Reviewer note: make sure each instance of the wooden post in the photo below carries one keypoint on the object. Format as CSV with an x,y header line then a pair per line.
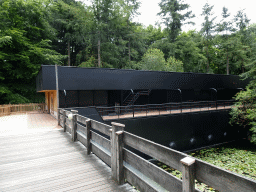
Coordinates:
x,y
88,136
120,157
58,116
113,140
64,120
188,174
74,125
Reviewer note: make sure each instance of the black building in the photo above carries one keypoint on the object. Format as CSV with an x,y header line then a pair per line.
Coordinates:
x,y
81,87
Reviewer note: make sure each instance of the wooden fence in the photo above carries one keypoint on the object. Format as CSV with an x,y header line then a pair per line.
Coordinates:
x,y
112,144
21,108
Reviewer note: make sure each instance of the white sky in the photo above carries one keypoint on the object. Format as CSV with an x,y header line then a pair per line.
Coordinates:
x,y
150,8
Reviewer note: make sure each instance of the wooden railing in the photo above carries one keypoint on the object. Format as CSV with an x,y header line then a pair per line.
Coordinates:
x,y
115,147
21,108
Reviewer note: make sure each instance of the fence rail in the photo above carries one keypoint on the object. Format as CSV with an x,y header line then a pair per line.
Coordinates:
x,y
21,108
116,148
119,112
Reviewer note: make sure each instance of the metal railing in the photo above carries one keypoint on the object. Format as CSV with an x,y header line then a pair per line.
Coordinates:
x,y
117,112
135,96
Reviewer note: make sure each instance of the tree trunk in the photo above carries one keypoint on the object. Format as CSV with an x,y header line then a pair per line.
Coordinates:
x,y
129,52
207,70
68,53
243,66
227,64
99,65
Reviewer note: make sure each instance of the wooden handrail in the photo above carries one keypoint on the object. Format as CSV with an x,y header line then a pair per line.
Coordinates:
x,y
21,108
144,175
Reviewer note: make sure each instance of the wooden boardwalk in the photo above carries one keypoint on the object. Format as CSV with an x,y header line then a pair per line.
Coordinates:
x,y
49,161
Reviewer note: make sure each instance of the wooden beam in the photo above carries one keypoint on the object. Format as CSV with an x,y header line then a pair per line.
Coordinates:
x,y
120,157
81,128
141,182
88,136
221,179
188,174
68,129
114,139
82,138
105,143
103,154
101,127
68,122
157,174
81,119
74,125
64,120
163,154
58,114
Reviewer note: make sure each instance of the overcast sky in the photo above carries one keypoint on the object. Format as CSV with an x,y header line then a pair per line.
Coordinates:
x,y
150,8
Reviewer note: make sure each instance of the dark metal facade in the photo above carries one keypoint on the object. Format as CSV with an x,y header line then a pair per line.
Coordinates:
x,y
185,131
73,78
83,98
106,87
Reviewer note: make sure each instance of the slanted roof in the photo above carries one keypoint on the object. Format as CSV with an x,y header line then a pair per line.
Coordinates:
x,y
75,78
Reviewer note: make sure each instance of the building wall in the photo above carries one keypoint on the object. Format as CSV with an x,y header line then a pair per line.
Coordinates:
x,y
185,131
51,102
74,78
83,98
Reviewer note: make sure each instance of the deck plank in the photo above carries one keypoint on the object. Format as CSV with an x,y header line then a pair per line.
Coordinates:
x,y
50,161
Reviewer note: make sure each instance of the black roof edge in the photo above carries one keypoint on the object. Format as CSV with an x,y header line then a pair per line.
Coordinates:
x,y
135,70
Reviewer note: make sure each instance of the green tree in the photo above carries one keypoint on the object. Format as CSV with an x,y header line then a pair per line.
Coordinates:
x,y
207,30
153,60
25,41
114,31
171,12
244,111
225,27
188,51
138,45
242,22
72,22
164,45
175,65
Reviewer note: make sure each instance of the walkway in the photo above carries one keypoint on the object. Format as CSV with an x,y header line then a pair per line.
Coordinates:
x,y
27,123
144,113
35,155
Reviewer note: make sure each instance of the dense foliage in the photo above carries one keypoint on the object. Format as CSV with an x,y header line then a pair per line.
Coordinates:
x,y
103,34
25,43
